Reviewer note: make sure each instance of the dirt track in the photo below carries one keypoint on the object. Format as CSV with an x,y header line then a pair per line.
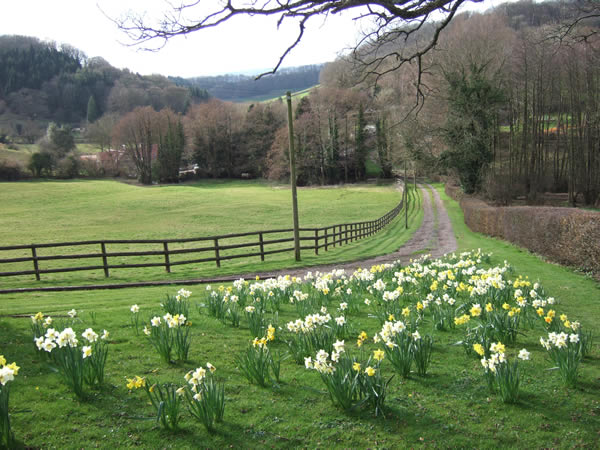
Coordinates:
x,y
435,236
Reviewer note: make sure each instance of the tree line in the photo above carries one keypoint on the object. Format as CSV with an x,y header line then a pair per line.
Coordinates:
x,y
42,82
507,101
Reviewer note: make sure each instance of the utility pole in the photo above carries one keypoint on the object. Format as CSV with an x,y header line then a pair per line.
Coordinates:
x,y
293,177
405,197
415,175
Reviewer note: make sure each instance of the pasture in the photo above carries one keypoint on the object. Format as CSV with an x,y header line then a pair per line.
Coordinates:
x,y
450,407
66,211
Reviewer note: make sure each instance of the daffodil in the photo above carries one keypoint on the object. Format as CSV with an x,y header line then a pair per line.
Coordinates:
x,y
479,349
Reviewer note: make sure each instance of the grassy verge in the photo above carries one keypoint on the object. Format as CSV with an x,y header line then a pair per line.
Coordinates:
x,y
51,212
450,407
577,290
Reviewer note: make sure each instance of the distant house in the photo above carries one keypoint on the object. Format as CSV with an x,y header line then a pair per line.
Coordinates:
x,y
113,162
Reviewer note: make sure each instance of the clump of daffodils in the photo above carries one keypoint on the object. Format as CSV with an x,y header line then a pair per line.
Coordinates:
x,y
350,382
403,347
165,398
205,397
314,332
258,364
8,372
500,373
77,365
170,333
178,304
565,350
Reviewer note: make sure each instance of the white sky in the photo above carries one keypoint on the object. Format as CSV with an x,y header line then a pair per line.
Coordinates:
x,y
244,44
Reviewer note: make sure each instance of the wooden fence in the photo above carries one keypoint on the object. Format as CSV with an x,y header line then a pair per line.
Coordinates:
x,y
204,249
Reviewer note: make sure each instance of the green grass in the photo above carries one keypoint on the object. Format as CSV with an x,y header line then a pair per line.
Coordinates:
x,y
581,291
450,408
295,95
36,212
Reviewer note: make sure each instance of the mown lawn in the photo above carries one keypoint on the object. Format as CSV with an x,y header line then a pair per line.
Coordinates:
x,y
39,212
449,408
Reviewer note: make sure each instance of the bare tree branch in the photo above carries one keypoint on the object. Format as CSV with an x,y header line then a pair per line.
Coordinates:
x,y
392,20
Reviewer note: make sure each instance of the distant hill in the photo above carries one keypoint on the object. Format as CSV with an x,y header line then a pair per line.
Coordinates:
x,y
42,82
241,88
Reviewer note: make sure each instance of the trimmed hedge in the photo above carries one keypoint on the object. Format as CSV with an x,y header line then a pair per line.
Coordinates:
x,y
564,235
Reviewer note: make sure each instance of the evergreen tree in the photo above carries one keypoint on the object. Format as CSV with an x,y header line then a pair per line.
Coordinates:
x,y
170,150
383,151
473,102
92,110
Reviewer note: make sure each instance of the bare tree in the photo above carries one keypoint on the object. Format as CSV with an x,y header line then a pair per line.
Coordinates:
x,y
389,22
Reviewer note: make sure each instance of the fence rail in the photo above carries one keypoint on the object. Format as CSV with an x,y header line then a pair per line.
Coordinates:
x,y
215,250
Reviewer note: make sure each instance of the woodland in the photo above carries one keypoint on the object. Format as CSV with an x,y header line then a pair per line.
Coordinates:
x,y
507,101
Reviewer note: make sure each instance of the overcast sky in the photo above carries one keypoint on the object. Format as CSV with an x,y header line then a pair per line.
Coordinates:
x,y
244,44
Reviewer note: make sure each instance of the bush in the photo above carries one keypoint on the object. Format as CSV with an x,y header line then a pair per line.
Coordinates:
x,y
10,171
564,235
68,167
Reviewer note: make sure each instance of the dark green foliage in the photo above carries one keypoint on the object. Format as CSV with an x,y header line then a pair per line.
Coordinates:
x,y
170,149
383,150
92,110
473,101
60,139
26,62
40,164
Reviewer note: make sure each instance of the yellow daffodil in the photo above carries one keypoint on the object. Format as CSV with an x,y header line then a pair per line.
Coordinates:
x,y
475,310
378,354
479,349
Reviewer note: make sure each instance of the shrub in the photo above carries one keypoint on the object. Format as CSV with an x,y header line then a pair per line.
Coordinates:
x,y
564,235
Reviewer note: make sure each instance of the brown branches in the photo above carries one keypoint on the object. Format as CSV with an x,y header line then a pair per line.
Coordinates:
x,y
392,19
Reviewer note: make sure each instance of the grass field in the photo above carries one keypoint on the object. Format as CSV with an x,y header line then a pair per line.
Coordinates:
x,y
449,408
37,212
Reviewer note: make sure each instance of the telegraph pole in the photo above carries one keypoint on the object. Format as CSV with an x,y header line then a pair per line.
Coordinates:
x,y
293,177
405,197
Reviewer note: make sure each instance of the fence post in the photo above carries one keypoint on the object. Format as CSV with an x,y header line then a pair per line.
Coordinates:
x,y
218,258
346,233
104,259
262,246
35,262
326,236
317,242
167,263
